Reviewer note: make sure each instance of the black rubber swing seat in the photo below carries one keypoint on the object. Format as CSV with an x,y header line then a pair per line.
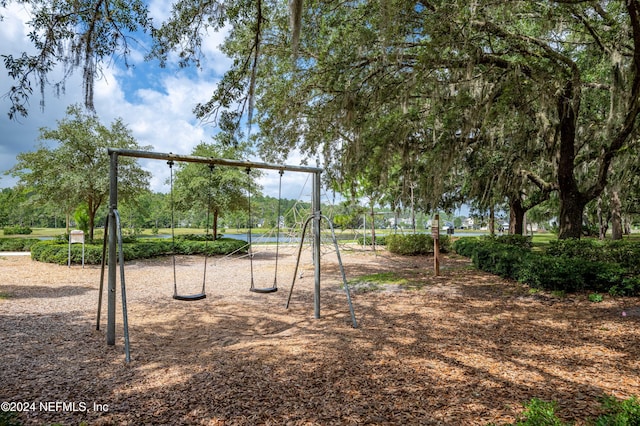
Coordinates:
x,y
264,290
190,297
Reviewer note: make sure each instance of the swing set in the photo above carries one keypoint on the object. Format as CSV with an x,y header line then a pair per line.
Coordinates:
x,y
113,238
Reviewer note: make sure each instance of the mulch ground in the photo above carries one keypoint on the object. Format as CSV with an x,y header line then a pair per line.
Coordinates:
x,y
465,348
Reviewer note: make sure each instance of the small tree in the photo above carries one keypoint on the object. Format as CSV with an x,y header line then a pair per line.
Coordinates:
x,y
222,187
77,171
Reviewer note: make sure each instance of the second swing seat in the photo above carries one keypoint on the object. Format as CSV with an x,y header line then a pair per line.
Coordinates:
x,y
264,290
190,297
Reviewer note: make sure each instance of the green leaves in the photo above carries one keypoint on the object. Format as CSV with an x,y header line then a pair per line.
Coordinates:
x,y
77,170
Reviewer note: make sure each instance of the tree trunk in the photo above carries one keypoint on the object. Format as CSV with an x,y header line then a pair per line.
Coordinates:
x,y
626,225
602,221
92,221
214,227
516,216
616,218
492,221
92,210
571,200
571,211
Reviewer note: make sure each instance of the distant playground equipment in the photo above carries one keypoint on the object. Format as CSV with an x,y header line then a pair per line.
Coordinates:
x,y
113,238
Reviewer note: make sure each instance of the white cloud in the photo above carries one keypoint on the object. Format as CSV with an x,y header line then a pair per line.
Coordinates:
x,y
13,30
159,114
159,10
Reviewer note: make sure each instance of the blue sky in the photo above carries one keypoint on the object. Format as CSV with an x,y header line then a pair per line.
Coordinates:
x,y
155,103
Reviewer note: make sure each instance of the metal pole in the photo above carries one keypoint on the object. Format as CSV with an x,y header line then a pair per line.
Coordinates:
x,y
113,260
435,234
123,289
211,160
102,267
316,241
344,276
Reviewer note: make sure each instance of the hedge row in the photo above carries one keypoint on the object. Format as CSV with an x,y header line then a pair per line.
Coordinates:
x,y
415,244
17,244
16,230
568,265
57,252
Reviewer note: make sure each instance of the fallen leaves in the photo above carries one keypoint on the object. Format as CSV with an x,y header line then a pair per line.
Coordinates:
x,y
467,348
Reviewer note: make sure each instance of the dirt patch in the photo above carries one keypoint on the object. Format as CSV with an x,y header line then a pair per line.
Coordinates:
x,y
463,348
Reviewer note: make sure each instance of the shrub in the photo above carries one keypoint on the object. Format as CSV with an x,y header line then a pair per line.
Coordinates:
x,y
500,259
9,418
56,252
522,241
630,286
587,249
540,413
619,413
625,253
615,413
466,246
410,244
415,244
17,230
567,266
17,244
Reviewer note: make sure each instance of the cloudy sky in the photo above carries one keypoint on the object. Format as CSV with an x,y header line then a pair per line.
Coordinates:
x,y
155,103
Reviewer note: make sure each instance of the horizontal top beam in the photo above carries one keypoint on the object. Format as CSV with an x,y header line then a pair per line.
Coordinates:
x,y
210,160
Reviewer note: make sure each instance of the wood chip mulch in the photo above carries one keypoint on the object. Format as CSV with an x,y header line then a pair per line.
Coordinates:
x,y
465,348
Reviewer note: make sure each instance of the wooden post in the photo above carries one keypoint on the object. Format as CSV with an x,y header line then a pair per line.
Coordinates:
x,y
435,233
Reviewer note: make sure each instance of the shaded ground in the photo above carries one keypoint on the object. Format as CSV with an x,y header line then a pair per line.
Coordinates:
x,y
463,348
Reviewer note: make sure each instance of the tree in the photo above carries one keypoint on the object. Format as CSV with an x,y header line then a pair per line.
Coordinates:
x,y
77,170
11,210
445,67
218,190
74,35
595,56
387,85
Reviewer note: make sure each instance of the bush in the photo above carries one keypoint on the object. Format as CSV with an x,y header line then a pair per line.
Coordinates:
x,y
540,413
570,274
615,413
522,241
56,252
17,230
625,253
630,286
9,418
415,244
500,259
619,413
587,249
568,265
410,244
466,246
17,244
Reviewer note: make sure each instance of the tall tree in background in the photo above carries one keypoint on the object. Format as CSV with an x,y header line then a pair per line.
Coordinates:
x,y
445,67
435,76
219,190
77,170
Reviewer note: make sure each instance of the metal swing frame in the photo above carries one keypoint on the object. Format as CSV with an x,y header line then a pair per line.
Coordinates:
x,y
113,235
